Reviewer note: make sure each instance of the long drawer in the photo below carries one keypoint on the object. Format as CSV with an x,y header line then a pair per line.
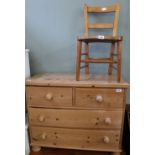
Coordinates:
x,y
75,138
99,98
49,96
75,118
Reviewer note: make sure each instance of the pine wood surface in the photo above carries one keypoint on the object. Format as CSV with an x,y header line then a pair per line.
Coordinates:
x,y
50,151
63,80
93,39
100,26
49,96
110,98
84,139
99,9
88,119
79,125
100,39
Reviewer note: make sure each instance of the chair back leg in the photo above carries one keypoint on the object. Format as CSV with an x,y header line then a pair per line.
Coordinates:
x,y
111,56
86,57
119,57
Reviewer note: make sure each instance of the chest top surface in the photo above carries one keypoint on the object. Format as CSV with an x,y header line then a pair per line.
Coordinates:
x,y
68,80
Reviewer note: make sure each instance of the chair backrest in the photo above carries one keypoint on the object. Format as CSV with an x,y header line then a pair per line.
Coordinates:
x,y
98,9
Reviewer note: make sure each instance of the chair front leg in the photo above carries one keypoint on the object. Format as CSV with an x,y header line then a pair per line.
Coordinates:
x,y
78,60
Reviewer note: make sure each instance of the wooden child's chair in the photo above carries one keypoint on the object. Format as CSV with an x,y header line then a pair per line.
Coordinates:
x,y
113,39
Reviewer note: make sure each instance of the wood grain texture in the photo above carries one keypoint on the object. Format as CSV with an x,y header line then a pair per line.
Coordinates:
x,y
88,119
83,115
93,39
119,59
68,80
99,39
86,57
116,18
100,26
112,98
112,58
85,21
49,96
99,9
99,60
78,60
75,138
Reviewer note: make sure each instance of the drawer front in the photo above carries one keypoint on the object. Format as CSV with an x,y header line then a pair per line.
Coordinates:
x,y
75,138
99,98
75,118
49,96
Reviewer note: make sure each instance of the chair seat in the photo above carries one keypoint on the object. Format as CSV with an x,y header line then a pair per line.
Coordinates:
x,y
100,38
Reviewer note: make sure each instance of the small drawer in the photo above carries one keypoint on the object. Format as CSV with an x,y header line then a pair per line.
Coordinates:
x,y
95,119
49,96
99,98
100,140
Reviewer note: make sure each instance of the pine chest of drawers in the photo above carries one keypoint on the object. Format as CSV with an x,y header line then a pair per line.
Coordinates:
x,y
85,115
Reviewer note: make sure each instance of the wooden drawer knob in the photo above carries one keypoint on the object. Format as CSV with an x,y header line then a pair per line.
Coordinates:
x,y
99,98
106,139
44,136
107,120
49,96
41,118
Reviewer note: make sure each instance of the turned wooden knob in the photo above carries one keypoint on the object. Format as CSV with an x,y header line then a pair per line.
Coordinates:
x,y
41,118
106,139
107,120
43,136
99,98
49,96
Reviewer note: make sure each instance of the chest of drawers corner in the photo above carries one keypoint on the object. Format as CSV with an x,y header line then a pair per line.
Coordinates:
x,y
85,115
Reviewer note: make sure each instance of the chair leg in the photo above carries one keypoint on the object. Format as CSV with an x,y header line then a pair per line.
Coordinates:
x,y
111,56
78,60
119,57
86,57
